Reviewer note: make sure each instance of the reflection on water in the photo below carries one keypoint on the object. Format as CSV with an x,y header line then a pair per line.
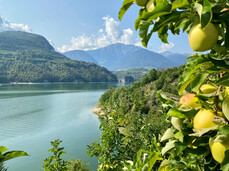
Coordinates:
x,y
33,115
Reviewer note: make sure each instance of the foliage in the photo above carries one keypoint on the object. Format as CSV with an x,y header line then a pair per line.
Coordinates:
x,y
133,118
186,148
55,162
77,165
2,167
33,59
8,155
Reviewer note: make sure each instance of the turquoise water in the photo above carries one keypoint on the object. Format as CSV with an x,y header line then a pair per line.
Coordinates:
x,y
33,115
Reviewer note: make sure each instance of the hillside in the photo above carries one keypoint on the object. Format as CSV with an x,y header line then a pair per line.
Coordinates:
x,y
136,73
133,117
120,56
26,57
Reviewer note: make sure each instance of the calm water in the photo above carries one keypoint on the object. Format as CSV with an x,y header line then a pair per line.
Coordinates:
x,y
33,115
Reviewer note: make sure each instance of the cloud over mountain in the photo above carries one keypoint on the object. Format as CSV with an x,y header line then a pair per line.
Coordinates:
x,y
9,26
110,34
166,47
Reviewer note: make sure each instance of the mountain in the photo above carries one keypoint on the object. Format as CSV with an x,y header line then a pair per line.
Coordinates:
x,y
26,57
143,58
110,56
16,40
80,55
177,58
120,56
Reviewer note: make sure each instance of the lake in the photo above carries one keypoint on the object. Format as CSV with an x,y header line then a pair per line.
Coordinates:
x,y
33,115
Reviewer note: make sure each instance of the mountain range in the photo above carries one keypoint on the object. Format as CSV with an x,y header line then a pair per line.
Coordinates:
x,y
27,57
120,56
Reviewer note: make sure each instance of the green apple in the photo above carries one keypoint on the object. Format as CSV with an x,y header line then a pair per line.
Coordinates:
x,y
218,149
204,119
141,2
203,39
189,101
150,5
208,89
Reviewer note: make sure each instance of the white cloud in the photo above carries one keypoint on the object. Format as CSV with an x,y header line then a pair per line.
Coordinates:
x,y
112,33
8,26
139,43
165,47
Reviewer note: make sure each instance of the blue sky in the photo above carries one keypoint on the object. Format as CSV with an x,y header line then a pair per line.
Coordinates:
x,y
81,24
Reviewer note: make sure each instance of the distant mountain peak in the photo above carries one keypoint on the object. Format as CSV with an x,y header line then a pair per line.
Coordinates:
x,y
121,56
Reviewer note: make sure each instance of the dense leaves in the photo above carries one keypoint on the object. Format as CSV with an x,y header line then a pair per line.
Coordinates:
x,y
56,163
197,138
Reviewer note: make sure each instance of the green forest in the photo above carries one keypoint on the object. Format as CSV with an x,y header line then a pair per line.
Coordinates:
x,y
26,57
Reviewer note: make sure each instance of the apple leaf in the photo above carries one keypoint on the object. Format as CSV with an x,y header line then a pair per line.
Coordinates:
x,y
176,113
138,20
3,149
222,138
163,35
225,107
167,135
200,132
143,32
198,81
224,130
163,165
197,61
174,16
12,154
198,7
162,8
177,123
179,136
166,99
125,6
224,81
225,163
206,15
180,4
169,146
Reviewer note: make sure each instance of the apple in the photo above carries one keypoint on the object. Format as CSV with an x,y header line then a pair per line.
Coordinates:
x,y
208,89
141,2
227,91
150,5
189,101
204,119
203,39
218,149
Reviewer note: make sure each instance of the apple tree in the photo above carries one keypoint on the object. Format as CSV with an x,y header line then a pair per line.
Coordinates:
x,y
199,136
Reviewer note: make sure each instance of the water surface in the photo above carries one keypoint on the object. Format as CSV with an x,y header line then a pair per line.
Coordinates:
x,y
33,115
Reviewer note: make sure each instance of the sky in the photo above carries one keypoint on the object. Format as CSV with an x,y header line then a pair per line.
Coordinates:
x,y
81,24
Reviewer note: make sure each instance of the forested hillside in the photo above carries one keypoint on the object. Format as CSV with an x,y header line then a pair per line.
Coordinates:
x,y
133,116
26,57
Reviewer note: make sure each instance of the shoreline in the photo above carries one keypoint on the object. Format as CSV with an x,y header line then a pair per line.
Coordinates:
x,y
44,83
98,111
